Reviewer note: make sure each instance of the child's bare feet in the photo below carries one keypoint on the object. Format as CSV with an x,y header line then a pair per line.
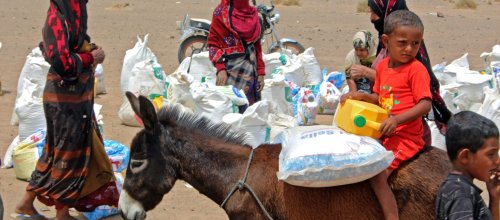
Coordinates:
x,y
25,209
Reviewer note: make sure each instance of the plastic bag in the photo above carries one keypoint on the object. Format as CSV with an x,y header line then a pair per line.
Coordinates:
x,y
324,156
26,154
118,154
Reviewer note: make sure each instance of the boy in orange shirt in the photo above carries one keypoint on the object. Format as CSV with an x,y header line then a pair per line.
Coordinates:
x,y
402,88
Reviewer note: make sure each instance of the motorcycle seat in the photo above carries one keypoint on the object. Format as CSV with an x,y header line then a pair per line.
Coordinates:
x,y
200,23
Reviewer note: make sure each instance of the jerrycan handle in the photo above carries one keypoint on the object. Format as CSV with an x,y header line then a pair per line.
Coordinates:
x,y
361,121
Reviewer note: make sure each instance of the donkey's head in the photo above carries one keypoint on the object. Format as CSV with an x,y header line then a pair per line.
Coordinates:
x,y
151,171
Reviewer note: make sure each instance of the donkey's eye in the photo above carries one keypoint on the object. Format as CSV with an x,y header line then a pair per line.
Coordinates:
x,y
138,165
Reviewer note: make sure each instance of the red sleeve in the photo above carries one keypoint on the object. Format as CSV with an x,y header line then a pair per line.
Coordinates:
x,y
420,81
55,34
261,67
87,59
215,35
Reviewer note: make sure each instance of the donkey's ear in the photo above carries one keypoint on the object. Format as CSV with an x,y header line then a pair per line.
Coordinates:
x,y
134,103
148,115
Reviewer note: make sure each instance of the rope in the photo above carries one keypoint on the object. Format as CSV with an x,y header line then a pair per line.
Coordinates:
x,y
241,184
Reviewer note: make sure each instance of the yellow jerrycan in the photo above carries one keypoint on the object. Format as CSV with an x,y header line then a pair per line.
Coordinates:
x,y
360,118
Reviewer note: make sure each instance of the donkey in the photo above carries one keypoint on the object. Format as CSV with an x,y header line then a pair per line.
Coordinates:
x,y
176,144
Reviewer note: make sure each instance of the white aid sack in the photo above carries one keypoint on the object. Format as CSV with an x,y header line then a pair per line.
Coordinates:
x,y
491,106
254,121
277,90
293,71
7,159
321,156
438,140
99,77
277,59
312,69
213,103
29,109
179,88
147,79
35,70
200,67
140,52
279,123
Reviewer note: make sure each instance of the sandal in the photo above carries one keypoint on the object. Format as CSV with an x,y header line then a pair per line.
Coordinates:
x,y
28,217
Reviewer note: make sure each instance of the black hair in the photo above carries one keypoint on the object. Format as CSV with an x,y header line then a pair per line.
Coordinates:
x,y
403,18
468,130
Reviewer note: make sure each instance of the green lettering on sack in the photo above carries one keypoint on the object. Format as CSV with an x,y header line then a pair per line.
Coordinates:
x,y
158,73
288,94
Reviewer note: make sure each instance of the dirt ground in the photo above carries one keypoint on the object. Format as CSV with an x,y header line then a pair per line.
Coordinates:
x,y
327,25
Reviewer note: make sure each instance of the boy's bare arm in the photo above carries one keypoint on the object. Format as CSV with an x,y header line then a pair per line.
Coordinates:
x,y
371,98
420,109
352,85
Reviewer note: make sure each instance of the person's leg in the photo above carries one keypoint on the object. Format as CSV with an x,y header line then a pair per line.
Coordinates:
x,y
63,214
384,195
25,206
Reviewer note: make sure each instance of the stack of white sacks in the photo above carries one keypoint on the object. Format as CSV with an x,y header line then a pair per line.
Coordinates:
x,y
465,89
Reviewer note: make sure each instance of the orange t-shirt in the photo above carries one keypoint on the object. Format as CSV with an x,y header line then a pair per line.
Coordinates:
x,y
399,90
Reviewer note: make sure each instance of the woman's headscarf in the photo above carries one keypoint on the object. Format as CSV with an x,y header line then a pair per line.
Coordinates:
x,y
364,39
385,7
245,19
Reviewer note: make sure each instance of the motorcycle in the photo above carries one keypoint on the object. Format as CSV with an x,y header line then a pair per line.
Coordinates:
x,y
194,34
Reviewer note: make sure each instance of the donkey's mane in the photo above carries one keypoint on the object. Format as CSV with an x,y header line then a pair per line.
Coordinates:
x,y
178,115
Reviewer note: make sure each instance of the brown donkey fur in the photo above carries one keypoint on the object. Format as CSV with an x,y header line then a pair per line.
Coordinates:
x,y
212,158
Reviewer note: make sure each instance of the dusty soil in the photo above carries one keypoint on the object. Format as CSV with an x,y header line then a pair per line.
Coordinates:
x,y
327,25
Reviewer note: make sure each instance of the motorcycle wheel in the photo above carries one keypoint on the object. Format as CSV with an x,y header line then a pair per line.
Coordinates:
x,y
194,44
295,47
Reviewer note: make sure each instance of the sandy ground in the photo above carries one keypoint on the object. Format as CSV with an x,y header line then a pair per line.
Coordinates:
x,y
327,25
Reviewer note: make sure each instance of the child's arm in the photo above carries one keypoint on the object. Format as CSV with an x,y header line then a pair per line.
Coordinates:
x,y
371,98
352,85
421,108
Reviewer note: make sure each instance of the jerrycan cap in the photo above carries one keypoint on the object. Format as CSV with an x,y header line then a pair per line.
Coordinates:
x,y
359,121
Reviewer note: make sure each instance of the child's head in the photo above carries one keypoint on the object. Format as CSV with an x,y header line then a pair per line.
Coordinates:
x,y
364,44
403,33
472,144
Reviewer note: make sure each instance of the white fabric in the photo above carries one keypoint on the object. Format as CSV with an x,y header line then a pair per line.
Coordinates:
x,y
201,68
99,76
278,91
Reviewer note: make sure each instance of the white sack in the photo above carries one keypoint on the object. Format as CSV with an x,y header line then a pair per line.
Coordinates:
x,y
312,69
140,52
201,68
278,91
7,159
322,156
35,70
99,76
29,109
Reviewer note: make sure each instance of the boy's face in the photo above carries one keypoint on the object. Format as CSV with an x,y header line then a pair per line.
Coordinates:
x,y
361,53
485,161
403,44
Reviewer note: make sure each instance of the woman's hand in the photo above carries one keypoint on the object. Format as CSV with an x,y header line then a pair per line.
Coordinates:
x,y
360,71
260,80
98,55
221,78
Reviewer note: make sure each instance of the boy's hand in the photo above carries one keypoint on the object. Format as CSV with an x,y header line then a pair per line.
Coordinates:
x,y
349,95
493,186
388,126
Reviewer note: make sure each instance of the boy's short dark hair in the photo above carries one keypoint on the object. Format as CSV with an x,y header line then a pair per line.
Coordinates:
x,y
404,18
468,130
